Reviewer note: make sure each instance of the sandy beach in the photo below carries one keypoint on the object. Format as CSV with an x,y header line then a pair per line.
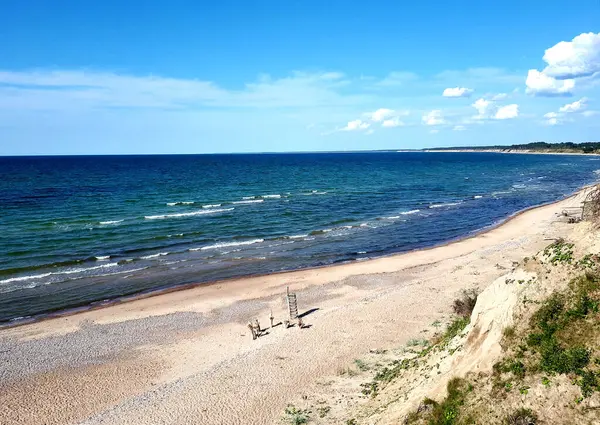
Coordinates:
x,y
187,357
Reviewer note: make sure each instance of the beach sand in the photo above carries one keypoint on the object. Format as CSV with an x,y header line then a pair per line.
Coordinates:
x,y
187,357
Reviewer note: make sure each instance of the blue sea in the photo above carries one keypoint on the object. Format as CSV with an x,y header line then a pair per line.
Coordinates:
x,y
77,231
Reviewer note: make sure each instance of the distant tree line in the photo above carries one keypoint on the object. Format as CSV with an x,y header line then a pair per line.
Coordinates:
x,y
585,147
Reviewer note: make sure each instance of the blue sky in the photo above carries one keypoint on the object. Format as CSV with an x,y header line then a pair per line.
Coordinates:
x,y
82,77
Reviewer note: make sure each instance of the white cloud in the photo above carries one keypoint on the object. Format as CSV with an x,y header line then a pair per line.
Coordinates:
x,y
551,115
540,84
507,112
394,122
356,125
485,108
552,121
459,128
499,96
457,92
590,113
380,114
574,59
434,117
574,107
89,89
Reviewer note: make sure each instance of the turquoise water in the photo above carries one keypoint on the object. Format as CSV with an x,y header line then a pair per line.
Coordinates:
x,y
80,230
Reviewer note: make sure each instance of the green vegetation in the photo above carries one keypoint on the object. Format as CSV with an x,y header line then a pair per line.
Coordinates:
x,y
447,412
560,338
559,252
295,416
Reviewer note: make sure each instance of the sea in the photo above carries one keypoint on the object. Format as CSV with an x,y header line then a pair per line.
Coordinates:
x,y
79,231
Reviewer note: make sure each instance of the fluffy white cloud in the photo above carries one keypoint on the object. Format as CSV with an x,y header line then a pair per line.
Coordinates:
x,y
356,125
394,122
574,107
507,112
457,92
484,107
459,128
434,117
380,114
540,84
573,59
553,118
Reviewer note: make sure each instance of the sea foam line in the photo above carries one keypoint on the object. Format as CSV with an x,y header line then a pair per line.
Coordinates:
x,y
227,244
410,212
449,204
42,275
172,204
107,223
249,201
190,214
160,254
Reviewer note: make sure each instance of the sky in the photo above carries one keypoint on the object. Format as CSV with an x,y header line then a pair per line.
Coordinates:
x,y
142,77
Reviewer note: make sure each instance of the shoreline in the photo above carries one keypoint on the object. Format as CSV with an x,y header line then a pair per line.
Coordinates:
x,y
182,357
126,299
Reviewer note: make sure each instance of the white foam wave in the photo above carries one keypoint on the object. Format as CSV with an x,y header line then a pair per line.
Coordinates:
x,y
42,275
296,236
25,278
448,204
103,257
190,214
249,201
596,171
248,197
227,244
211,206
271,196
172,204
394,217
108,223
477,197
160,254
410,212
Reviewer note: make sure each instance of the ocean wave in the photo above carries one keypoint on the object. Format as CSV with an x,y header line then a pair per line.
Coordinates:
x,y
227,245
320,232
43,275
249,201
477,197
172,204
211,206
190,214
596,171
160,254
394,217
248,197
410,212
108,223
295,237
271,196
102,257
448,204
519,186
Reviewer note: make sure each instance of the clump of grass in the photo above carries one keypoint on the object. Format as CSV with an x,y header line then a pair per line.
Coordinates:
x,y
295,416
361,365
559,252
521,416
448,411
464,305
559,332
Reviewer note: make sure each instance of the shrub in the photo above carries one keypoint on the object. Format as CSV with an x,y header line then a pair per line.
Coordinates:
x,y
521,416
464,305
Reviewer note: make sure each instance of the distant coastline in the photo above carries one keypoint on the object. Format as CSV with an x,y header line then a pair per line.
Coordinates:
x,y
567,148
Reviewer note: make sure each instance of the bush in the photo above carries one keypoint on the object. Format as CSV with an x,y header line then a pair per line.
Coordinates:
x,y
464,305
521,416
